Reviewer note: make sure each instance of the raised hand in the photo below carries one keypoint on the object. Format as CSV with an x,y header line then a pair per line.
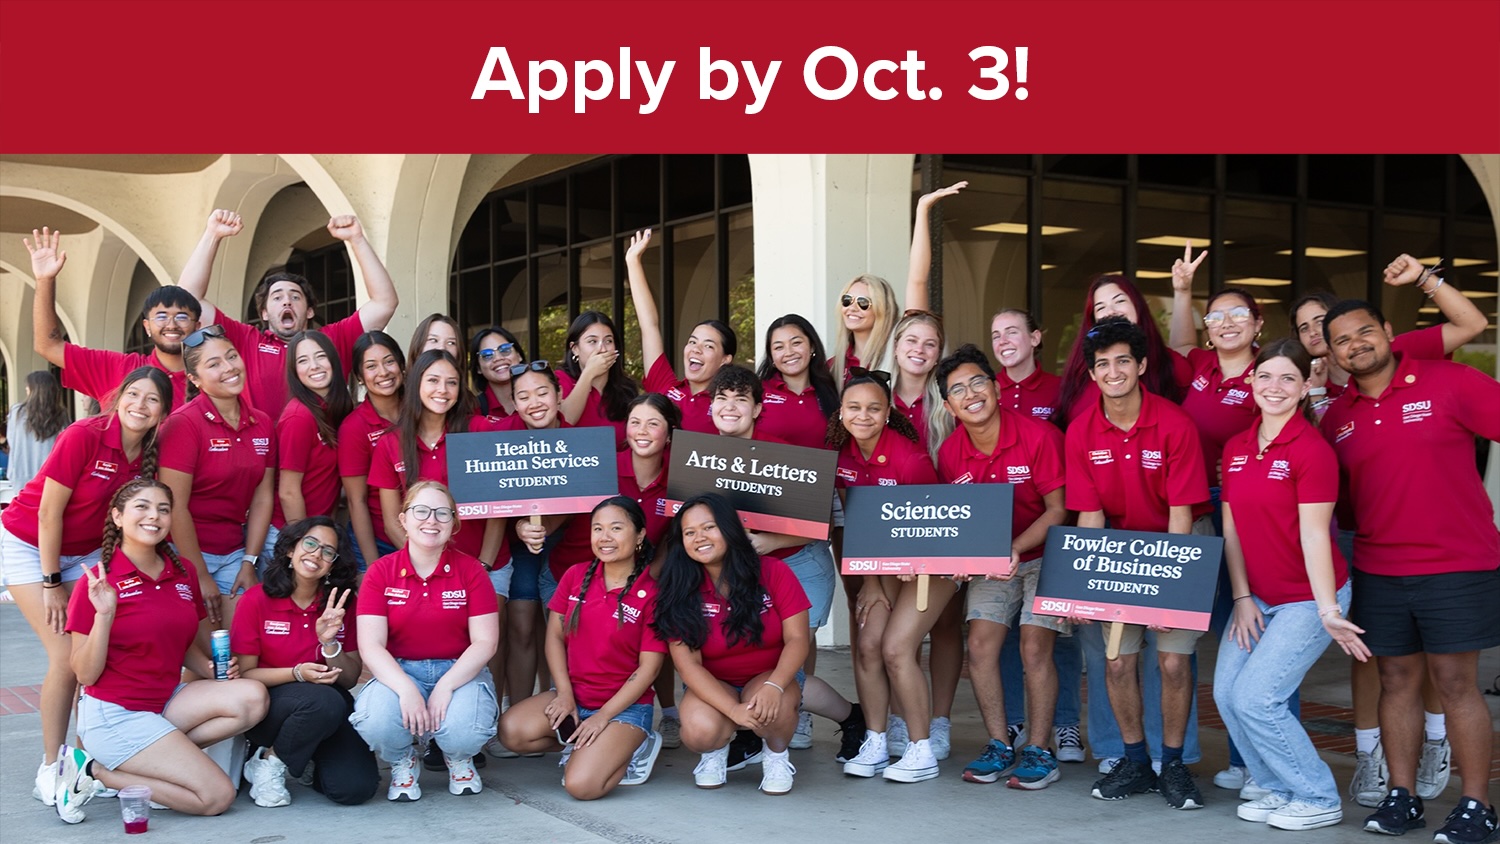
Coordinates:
x,y
346,227
47,258
927,200
102,593
638,243
332,618
222,224
1402,271
1184,267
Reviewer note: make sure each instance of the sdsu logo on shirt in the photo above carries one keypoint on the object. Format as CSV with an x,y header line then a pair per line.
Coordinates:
x,y
1416,411
1151,458
1018,474
1235,396
219,444
184,591
455,599
1280,470
262,445
885,482
1041,412
629,614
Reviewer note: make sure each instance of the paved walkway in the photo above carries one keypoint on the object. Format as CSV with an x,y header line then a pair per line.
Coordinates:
x,y
523,799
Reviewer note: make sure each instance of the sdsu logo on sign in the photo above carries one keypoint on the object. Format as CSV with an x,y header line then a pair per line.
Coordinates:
x,y
1047,605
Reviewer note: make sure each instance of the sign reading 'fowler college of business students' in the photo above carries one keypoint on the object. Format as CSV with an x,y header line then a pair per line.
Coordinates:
x,y
928,529
501,474
775,487
1165,579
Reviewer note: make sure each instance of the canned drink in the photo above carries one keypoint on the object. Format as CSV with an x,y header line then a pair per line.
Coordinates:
x,y
221,654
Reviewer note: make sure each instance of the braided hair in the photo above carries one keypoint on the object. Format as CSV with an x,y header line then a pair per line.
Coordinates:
x,y
111,538
642,559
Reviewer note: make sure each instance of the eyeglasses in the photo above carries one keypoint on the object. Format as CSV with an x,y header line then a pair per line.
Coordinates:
x,y
161,318
421,512
864,301
973,385
876,374
535,366
1239,313
502,349
197,338
329,553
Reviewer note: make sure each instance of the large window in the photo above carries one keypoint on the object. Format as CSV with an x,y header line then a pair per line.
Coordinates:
x,y
1031,231
535,255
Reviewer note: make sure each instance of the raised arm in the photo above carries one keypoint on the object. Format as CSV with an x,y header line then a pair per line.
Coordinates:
x,y
1184,335
200,264
1465,321
377,312
47,259
646,314
919,264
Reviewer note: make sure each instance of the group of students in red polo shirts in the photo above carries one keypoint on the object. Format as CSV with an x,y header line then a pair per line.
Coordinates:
x,y
1135,435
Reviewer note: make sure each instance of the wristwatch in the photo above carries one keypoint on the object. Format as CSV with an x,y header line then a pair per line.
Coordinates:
x,y
54,579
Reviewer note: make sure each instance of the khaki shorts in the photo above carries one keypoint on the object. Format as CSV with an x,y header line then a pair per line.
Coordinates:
x,y
1003,601
1169,642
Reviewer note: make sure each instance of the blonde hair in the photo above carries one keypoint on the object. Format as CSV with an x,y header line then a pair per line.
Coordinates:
x,y
939,421
883,308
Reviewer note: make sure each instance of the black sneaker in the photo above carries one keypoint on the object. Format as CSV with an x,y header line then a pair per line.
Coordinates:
x,y
1177,786
1125,779
432,760
744,749
851,734
1399,812
1470,823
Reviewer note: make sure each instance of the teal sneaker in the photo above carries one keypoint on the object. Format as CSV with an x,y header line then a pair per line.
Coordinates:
x,y
1037,769
74,786
996,761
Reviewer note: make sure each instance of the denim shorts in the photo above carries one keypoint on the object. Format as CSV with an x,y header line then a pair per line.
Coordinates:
x,y
801,683
21,562
546,583
381,547
224,568
638,715
268,553
526,569
813,565
500,579
113,735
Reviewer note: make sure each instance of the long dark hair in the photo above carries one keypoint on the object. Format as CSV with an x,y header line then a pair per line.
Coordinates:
x,y
477,380
419,338
1159,377
364,343
456,420
279,581
111,536
838,435
642,559
45,414
661,404
679,599
618,388
329,411
163,386
818,373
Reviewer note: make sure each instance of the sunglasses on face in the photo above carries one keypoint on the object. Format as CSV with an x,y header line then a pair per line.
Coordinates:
x,y
421,512
535,366
863,301
329,553
197,338
502,349
1235,314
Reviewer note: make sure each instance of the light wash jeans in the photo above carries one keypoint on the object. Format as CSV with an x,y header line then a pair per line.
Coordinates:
x,y
819,575
471,714
1251,689
1104,731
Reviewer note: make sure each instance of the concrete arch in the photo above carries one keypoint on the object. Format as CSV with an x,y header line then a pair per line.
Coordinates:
x,y
110,224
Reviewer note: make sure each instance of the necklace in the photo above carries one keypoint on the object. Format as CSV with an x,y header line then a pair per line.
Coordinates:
x,y
1263,441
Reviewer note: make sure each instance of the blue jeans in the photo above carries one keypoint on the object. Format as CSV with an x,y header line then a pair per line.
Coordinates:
x,y
381,547
1104,731
815,570
1252,689
1067,655
470,721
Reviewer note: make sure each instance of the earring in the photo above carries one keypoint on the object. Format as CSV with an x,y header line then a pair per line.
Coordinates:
x,y
1208,344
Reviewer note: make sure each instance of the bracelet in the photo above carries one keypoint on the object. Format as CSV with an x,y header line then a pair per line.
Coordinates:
x,y
1243,598
774,686
1327,611
51,585
338,648
252,559
297,673
1434,290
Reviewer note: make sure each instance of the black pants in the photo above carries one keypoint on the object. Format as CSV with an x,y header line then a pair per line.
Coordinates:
x,y
310,722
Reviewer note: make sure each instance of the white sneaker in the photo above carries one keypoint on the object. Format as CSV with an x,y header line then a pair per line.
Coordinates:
x,y
1231,778
1016,734
404,785
1108,763
643,760
873,756
671,733
941,738
1370,782
1069,743
1298,815
802,738
1434,768
776,772
895,735
494,748
1256,811
45,789
267,778
712,769
916,764
75,788
1252,790
462,778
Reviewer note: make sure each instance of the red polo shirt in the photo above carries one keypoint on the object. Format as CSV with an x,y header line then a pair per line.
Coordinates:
x,y
576,545
739,663
896,461
226,463
793,417
613,631
265,356
300,448
1407,464
358,434
694,406
427,619
1027,455
1090,396
851,360
489,403
916,413
1421,344
593,410
88,459
282,634
1264,490
97,373
1221,407
1136,476
1035,395
155,624
388,471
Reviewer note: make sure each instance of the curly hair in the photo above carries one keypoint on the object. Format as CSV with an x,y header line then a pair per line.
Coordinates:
x,y
679,597
279,582
642,559
838,435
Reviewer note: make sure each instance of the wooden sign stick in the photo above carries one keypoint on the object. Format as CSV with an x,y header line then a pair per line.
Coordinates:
x,y
1116,633
922,592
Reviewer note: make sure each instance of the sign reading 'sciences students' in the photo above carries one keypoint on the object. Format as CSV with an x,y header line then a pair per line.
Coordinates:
x,y
501,474
928,529
1162,579
775,487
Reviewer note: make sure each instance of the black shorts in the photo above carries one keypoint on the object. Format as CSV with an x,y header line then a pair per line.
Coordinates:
x,y
1448,613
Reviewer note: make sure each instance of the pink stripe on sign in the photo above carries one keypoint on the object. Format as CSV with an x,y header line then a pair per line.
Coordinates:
x,y
977,566
533,507
1096,611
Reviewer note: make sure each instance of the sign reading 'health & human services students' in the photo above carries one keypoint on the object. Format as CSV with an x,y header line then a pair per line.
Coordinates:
x,y
1162,579
503,474
774,486
928,529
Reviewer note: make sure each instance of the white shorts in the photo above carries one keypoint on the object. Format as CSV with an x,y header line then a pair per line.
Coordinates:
x,y
21,562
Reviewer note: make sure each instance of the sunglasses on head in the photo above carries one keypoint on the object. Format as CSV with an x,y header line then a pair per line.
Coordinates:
x,y
863,301
197,338
535,366
502,349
